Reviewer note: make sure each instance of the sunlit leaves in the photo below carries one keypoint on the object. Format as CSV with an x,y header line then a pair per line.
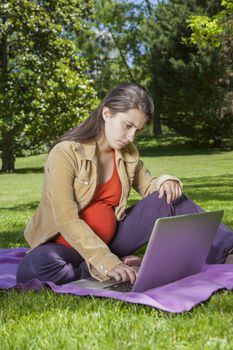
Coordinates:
x,y
204,29
212,30
43,73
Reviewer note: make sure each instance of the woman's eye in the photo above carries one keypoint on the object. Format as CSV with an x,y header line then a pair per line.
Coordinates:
x,y
128,126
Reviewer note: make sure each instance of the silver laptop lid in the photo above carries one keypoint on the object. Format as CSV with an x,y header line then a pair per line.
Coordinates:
x,y
178,247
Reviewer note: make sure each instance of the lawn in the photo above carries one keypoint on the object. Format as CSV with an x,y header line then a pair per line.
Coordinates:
x,y
44,320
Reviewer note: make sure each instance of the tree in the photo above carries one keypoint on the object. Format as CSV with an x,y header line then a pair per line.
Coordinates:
x,y
44,88
187,82
217,31
113,42
143,42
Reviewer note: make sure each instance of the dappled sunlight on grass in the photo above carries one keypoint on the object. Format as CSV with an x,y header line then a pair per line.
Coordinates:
x,y
217,188
51,321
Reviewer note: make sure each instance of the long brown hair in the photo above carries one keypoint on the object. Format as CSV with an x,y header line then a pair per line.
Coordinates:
x,y
122,98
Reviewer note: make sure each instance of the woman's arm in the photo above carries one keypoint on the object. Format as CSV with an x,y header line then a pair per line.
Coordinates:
x,y
144,183
61,170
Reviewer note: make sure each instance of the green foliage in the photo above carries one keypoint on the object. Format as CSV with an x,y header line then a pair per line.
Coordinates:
x,y
44,88
188,83
205,29
113,42
212,30
149,44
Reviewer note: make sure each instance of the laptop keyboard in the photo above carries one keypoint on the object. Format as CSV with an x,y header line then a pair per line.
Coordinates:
x,y
122,287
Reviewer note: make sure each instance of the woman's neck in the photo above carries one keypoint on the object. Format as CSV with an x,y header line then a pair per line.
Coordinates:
x,y
103,146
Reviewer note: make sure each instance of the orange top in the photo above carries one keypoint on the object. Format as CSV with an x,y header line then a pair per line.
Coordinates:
x,y
99,214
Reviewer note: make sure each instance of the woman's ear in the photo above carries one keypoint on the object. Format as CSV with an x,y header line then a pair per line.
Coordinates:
x,y
106,113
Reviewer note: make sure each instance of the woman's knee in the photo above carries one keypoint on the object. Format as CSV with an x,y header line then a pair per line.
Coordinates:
x,y
41,263
183,205
154,204
24,272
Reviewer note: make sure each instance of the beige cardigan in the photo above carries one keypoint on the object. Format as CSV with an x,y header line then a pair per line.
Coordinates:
x,y
70,182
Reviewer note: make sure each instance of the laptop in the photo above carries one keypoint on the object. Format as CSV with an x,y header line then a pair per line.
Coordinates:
x,y
178,247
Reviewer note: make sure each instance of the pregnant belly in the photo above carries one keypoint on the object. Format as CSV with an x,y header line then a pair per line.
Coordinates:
x,y
101,218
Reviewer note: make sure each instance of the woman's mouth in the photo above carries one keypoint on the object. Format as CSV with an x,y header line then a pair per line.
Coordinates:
x,y
123,144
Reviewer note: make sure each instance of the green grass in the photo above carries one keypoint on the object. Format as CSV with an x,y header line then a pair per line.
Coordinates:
x,y
44,320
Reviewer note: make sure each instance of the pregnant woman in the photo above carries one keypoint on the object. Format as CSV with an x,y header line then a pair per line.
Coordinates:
x,y
81,226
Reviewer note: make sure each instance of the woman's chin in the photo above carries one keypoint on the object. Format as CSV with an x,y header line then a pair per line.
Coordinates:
x,y
117,145
121,144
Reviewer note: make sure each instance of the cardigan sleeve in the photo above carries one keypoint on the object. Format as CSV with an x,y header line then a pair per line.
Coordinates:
x,y
60,171
144,183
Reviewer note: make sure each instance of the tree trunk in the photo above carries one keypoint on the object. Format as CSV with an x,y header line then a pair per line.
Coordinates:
x,y
8,159
8,152
157,130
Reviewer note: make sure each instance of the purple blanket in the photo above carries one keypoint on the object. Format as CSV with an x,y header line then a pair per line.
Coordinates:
x,y
178,296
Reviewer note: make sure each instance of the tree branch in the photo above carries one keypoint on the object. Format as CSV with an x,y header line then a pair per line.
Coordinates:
x,y
148,5
123,57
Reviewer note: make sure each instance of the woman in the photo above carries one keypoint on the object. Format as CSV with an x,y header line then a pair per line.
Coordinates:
x,y
81,226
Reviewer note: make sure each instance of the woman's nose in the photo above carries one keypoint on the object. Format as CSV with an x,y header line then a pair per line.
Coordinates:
x,y
130,137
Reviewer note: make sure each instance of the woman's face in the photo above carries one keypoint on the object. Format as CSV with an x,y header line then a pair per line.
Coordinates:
x,y
121,128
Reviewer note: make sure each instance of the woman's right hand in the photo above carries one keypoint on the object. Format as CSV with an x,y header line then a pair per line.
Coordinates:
x,y
123,272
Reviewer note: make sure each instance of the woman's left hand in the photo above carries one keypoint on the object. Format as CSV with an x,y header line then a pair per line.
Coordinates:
x,y
172,190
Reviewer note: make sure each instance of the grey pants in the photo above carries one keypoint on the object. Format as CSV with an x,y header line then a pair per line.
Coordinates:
x,y
60,264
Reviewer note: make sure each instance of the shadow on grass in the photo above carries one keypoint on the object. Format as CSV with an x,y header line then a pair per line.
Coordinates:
x,y
206,188
29,170
22,207
220,299
32,170
12,239
170,145
165,151
203,188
